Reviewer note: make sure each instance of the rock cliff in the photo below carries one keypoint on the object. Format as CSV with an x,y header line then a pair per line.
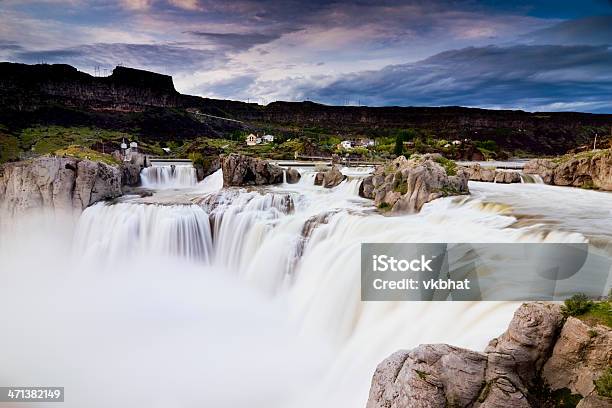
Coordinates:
x,y
56,183
125,89
239,170
37,94
538,357
404,186
587,170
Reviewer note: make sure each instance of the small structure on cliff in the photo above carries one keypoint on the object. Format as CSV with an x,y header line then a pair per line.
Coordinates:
x,y
251,140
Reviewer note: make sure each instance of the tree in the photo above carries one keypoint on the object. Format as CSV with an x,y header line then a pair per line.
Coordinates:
x,y
402,136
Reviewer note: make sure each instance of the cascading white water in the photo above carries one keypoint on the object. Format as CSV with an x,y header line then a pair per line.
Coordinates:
x,y
531,178
299,245
169,176
130,230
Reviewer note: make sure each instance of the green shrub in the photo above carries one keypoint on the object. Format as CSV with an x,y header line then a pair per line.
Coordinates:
x,y
577,305
603,384
563,398
384,206
450,167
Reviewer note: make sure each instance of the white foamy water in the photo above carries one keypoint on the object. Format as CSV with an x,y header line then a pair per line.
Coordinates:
x,y
231,298
169,176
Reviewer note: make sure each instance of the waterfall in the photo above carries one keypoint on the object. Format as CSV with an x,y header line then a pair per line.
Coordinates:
x,y
125,230
168,176
265,282
531,178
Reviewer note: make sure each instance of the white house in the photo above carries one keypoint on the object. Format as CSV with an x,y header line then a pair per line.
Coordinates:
x,y
456,142
251,140
346,144
268,138
258,140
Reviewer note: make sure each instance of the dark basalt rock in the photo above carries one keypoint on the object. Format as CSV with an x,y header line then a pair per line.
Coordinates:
x,y
241,170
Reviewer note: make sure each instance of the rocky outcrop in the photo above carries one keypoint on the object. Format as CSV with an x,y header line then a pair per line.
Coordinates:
x,y
130,174
478,173
588,170
241,170
292,175
536,357
580,356
330,178
207,166
318,181
507,177
406,185
56,183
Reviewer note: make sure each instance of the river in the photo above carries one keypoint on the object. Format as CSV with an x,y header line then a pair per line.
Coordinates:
x,y
209,297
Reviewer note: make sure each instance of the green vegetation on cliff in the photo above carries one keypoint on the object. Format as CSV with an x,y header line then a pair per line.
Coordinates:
x,y
85,153
589,311
603,384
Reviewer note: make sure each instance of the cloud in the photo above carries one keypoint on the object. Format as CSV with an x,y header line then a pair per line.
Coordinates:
x,y
518,76
186,4
236,41
595,30
237,87
158,57
136,4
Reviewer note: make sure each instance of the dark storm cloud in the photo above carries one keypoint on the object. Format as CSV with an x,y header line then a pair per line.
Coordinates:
x,y
10,46
596,30
158,56
519,76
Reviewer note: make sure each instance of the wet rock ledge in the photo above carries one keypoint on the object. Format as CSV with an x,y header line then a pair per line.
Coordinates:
x,y
404,186
542,360
57,183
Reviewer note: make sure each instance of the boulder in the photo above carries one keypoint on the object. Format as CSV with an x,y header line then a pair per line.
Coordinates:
x,y
507,177
332,177
404,186
580,356
207,166
239,170
130,174
318,181
587,169
57,183
478,173
292,175
439,375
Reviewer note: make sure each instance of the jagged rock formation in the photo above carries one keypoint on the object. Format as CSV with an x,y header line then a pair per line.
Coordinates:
x,y
519,369
241,170
292,175
330,178
588,170
478,173
580,356
406,185
56,183
130,170
207,166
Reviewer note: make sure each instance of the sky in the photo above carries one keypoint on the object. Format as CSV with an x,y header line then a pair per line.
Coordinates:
x,y
548,55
